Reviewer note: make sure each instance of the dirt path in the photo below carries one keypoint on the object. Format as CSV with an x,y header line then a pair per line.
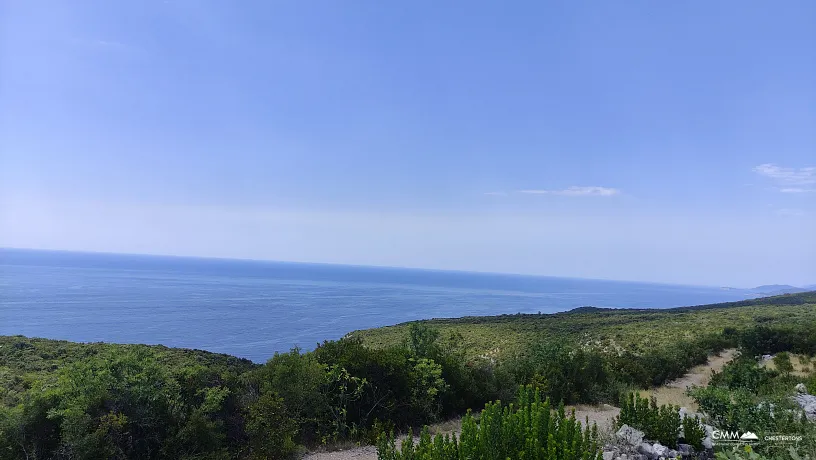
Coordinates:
x,y
671,393
675,392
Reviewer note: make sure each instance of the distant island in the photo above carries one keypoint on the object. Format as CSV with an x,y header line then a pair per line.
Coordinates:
x,y
777,289
773,289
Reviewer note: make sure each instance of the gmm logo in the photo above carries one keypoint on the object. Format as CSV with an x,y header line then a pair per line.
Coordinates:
x,y
724,435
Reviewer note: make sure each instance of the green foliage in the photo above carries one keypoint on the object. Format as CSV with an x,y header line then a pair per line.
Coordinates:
x,y
658,423
270,430
426,387
628,330
529,429
125,405
739,453
423,341
790,335
732,409
783,362
564,374
747,453
68,400
745,396
741,373
693,431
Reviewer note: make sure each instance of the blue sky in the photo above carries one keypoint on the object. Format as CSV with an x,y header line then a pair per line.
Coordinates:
x,y
656,141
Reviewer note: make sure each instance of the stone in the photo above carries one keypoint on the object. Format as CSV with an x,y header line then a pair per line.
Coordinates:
x,y
608,455
808,404
801,388
684,448
708,441
629,435
660,450
672,454
646,449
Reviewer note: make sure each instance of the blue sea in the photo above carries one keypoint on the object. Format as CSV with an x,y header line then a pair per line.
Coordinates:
x,y
253,309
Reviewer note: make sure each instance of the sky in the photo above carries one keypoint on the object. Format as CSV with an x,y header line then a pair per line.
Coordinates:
x,y
651,141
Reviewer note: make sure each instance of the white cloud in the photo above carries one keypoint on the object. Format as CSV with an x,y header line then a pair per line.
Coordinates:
x,y
791,212
789,180
576,191
496,193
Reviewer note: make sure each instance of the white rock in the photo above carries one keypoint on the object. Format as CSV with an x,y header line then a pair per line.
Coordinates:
x,y
808,405
629,435
660,450
608,455
801,388
708,443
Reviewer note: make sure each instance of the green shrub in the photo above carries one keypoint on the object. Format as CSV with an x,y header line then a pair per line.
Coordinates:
x,y
732,409
270,430
693,431
741,373
783,362
658,423
747,453
529,430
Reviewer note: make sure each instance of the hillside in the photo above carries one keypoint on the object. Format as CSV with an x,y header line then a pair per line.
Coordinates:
x,y
633,330
70,400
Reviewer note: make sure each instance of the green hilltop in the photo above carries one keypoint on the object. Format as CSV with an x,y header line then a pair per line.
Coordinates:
x,y
634,330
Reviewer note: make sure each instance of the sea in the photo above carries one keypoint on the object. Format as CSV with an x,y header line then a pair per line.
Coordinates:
x,y
253,309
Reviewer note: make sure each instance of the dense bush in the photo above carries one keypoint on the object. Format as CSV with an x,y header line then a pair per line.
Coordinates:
x,y
529,429
741,373
745,396
658,423
125,405
564,374
795,338
693,431
783,362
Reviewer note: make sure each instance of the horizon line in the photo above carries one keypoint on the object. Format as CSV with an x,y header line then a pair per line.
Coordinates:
x,y
386,267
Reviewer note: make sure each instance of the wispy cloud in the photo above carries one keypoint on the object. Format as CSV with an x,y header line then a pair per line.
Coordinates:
x,y
576,191
791,212
789,180
496,193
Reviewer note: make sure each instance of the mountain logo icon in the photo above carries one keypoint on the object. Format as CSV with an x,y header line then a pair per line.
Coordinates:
x,y
749,436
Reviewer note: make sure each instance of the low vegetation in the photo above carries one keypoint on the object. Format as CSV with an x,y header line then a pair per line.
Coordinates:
x,y
635,331
528,429
61,400
747,396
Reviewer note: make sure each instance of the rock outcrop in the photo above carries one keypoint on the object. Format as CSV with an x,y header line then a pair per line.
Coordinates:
x,y
806,401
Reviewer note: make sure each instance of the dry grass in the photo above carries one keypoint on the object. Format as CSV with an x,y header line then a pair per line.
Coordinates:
x,y
452,426
801,364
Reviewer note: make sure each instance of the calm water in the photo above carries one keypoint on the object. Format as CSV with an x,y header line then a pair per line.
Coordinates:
x,y
252,309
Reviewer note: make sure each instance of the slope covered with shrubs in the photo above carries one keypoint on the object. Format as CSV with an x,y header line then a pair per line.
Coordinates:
x,y
66,400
